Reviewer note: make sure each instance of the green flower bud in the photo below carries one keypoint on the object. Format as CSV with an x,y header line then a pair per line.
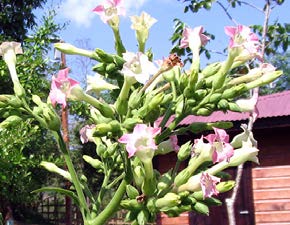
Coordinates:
x,y
182,177
189,200
234,107
215,97
198,195
201,208
164,182
156,100
167,99
203,112
100,68
135,99
184,151
110,68
132,192
104,57
225,186
211,69
51,167
97,164
168,201
72,50
212,201
199,94
122,106
143,217
223,104
131,204
104,128
234,91
97,117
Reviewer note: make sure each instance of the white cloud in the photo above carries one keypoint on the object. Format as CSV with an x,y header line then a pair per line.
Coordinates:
x,y
80,11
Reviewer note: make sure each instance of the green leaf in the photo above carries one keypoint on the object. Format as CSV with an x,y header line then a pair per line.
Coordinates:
x,y
60,191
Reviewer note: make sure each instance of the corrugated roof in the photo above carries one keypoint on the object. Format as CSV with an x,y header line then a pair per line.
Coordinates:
x,y
273,105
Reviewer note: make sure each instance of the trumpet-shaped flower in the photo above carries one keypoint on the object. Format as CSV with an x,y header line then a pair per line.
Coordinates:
x,y
110,9
61,87
97,84
137,67
201,149
141,142
9,50
208,184
193,38
245,41
142,25
142,22
220,143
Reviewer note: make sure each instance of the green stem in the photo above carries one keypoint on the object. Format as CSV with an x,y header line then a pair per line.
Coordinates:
x,y
75,180
125,90
173,87
103,189
112,207
149,183
119,47
103,107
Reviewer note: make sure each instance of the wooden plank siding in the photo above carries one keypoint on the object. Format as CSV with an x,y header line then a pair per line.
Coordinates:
x,y
271,194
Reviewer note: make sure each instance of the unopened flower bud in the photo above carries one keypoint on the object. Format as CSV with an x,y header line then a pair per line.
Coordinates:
x,y
97,164
51,167
69,49
225,186
201,208
169,200
184,151
131,191
211,69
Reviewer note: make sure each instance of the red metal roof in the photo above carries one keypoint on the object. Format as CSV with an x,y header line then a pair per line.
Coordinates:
x,y
273,105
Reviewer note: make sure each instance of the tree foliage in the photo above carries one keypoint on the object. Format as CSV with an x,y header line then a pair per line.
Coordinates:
x,y
24,145
17,18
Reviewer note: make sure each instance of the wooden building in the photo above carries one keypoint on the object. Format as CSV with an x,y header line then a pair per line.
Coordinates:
x,y
264,194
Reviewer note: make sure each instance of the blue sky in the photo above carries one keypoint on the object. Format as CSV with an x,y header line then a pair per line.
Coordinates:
x,y
84,24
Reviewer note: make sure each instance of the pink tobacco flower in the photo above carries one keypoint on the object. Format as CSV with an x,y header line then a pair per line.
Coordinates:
x,y
193,38
220,142
174,142
61,87
109,9
141,141
242,37
208,184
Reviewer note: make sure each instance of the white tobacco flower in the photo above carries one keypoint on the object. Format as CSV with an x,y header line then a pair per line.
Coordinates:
x,y
137,67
